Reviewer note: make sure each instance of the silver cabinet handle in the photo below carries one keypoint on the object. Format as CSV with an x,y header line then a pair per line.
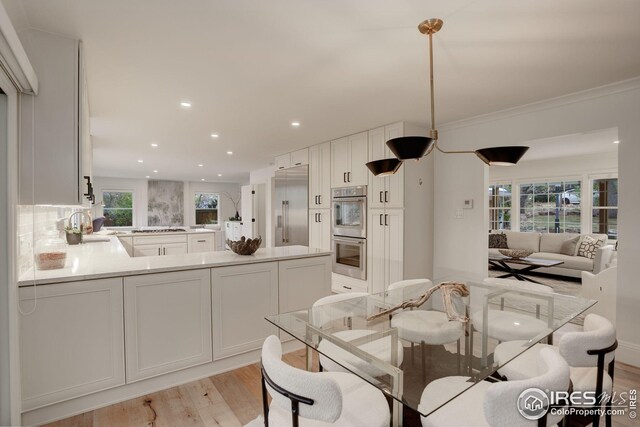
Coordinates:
x,y
386,216
381,220
386,199
284,222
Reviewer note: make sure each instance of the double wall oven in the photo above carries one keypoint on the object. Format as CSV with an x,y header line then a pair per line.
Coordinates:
x,y
349,222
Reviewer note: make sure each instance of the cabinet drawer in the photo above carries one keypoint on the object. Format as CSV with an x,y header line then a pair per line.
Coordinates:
x,y
201,243
159,240
300,157
283,161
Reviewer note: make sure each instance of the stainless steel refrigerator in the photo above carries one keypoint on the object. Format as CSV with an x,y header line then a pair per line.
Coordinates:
x,y
291,206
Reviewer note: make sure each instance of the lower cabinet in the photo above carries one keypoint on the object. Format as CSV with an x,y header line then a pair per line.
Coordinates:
x,y
72,343
320,229
168,322
201,243
303,282
242,296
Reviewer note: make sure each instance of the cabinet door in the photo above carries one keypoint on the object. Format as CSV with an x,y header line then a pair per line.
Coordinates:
x,y
242,296
377,250
147,250
394,236
174,249
283,161
201,243
320,229
394,196
314,176
73,343
377,184
358,157
247,209
303,282
325,176
339,162
167,322
300,157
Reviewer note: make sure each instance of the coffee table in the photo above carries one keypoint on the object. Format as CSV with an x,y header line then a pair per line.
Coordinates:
x,y
500,262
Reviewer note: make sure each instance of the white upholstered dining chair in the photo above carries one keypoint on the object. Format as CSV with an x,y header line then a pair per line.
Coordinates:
x,y
492,403
587,352
301,398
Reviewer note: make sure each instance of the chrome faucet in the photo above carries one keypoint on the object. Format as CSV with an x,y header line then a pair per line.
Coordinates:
x,y
83,213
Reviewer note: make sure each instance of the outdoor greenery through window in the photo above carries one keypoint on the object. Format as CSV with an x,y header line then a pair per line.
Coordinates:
x,y
604,215
550,207
206,208
117,208
500,207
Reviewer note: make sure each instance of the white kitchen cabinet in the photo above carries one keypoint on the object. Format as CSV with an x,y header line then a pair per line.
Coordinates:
x,y
232,230
303,282
201,242
320,176
253,211
167,322
320,229
160,245
241,298
386,248
72,344
283,161
300,157
55,143
385,191
349,156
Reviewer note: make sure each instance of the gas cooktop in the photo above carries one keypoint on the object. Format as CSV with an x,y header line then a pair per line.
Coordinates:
x,y
158,230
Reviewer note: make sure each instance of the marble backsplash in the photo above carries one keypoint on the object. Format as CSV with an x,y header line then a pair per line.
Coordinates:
x,y
34,223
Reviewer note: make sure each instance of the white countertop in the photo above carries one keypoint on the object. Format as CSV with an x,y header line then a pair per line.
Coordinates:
x,y
102,259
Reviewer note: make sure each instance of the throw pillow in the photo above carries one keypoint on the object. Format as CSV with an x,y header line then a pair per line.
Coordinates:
x,y
498,241
589,246
569,246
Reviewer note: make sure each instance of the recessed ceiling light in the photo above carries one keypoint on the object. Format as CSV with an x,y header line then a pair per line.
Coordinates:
x,y
219,174
200,165
229,152
154,145
140,161
147,176
214,135
185,104
202,179
295,124
616,142
155,171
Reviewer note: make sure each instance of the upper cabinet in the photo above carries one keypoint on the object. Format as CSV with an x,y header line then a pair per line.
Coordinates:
x,y
387,191
293,159
348,158
55,144
320,176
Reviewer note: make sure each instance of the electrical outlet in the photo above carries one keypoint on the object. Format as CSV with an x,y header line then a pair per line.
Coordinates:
x,y
467,204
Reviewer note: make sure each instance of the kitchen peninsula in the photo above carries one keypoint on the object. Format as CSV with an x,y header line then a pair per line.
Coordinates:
x,y
109,327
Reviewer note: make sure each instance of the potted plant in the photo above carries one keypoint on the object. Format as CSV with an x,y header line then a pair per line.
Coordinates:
x,y
74,235
236,201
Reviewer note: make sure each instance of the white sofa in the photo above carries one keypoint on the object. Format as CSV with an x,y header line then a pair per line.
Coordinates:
x,y
547,246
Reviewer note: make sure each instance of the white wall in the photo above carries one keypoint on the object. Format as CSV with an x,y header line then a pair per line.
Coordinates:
x,y
458,176
139,188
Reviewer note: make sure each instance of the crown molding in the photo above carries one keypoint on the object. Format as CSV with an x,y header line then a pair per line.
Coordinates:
x,y
573,98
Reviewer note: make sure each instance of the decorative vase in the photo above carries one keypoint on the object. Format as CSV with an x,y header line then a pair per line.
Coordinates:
x,y
237,217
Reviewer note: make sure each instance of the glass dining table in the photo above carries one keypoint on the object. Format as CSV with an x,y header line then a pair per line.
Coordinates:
x,y
379,350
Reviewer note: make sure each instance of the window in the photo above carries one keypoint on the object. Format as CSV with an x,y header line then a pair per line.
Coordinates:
x,y
550,207
206,208
500,207
604,215
117,208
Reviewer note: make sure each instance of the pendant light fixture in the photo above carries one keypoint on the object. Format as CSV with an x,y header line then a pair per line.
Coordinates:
x,y
416,147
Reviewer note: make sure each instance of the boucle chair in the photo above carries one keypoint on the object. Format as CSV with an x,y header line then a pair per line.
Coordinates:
x,y
587,352
316,398
381,348
492,404
425,327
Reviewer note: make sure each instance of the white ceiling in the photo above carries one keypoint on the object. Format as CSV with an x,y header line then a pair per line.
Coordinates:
x,y
337,66
569,145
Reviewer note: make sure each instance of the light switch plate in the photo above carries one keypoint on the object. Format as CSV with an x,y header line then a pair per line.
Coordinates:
x,y
467,204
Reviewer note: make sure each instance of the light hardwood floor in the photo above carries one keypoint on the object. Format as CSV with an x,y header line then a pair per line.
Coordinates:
x,y
234,399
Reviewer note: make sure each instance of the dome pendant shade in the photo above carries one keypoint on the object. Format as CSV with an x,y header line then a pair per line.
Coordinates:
x,y
384,167
501,156
410,147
